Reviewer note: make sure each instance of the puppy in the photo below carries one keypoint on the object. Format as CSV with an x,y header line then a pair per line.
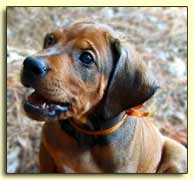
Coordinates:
x,y
85,79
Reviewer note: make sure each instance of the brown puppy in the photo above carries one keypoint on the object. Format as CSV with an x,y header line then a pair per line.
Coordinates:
x,y
84,80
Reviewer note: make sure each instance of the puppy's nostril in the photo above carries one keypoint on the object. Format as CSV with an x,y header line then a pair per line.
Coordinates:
x,y
35,66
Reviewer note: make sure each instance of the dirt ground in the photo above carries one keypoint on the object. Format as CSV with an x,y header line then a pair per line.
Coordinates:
x,y
159,34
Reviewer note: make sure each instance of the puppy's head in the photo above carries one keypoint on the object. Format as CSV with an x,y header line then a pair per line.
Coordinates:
x,y
79,67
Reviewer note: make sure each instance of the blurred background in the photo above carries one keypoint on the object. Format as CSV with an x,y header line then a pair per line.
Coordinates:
x,y
158,33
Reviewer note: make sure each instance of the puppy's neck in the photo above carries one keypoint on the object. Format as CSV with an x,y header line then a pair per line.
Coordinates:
x,y
97,122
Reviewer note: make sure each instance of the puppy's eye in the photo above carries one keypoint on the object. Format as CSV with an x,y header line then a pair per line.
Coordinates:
x,y
86,58
49,40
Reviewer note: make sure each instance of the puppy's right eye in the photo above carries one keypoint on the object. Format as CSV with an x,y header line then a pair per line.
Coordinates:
x,y
86,58
49,40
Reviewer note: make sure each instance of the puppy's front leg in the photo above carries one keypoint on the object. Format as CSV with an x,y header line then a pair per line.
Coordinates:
x,y
174,158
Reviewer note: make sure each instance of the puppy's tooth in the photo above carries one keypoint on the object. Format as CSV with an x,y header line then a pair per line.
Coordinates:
x,y
44,105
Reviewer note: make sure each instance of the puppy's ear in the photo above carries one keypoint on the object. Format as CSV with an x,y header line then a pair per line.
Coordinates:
x,y
130,83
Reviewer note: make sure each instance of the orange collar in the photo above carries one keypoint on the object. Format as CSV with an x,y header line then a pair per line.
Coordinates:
x,y
130,112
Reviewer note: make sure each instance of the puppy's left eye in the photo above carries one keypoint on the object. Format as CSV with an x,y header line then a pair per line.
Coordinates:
x,y
49,40
86,58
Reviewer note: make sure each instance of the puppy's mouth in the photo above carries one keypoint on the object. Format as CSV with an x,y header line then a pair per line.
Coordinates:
x,y
38,106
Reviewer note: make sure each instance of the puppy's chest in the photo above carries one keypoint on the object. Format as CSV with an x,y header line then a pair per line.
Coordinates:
x,y
98,159
71,157
77,162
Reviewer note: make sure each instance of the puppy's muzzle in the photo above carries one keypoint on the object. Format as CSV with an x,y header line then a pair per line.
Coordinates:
x,y
34,68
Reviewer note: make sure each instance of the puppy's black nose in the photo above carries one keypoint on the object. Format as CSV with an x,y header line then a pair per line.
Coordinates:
x,y
35,67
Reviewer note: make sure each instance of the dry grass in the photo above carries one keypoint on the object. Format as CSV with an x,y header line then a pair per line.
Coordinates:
x,y
160,34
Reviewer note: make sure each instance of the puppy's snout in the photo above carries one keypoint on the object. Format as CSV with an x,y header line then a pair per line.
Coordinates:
x,y
35,67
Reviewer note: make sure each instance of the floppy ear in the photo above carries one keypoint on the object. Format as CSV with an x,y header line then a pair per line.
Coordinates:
x,y
130,84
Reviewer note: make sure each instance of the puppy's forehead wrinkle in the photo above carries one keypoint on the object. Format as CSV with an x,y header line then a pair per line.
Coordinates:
x,y
54,50
91,30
